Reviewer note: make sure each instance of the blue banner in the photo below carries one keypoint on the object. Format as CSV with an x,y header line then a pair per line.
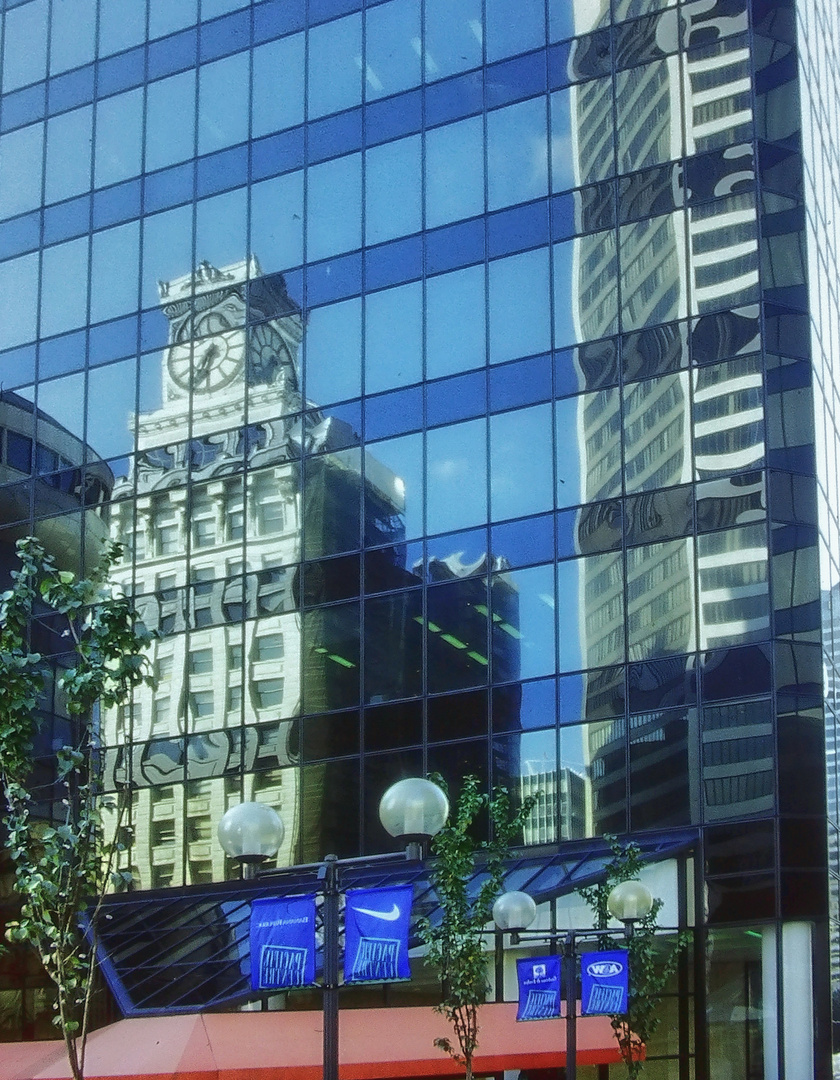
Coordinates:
x,y
376,925
282,942
539,988
603,983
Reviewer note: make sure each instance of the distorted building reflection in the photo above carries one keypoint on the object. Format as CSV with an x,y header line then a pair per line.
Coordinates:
x,y
241,518
682,252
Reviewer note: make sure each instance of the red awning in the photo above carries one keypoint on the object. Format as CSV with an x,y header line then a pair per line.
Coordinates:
x,y
374,1044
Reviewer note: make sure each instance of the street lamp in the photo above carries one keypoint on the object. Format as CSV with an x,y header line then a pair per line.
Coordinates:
x,y
412,810
251,833
514,911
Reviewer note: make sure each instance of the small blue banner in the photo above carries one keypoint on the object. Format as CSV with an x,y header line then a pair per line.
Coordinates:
x,y
604,982
539,988
376,925
282,942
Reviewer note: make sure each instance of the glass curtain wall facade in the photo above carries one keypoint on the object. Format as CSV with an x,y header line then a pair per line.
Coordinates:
x,y
445,368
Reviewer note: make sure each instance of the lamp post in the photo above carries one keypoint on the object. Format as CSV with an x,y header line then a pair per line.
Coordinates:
x,y
411,810
514,911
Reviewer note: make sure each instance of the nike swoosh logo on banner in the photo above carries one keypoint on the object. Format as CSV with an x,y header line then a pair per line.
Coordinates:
x,y
389,916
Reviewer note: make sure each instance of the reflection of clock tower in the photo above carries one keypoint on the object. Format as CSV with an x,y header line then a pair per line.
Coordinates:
x,y
211,349
212,514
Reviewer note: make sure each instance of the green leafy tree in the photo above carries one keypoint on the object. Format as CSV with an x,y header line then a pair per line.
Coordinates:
x,y
456,944
63,865
651,964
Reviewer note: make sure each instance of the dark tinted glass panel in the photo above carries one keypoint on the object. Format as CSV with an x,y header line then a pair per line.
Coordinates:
x,y
330,809
658,684
380,772
391,726
730,673
661,791
393,646
740,849
739,776
457,715
336,735
744,898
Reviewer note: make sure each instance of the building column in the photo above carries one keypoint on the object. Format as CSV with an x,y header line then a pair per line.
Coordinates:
x,y
788,1002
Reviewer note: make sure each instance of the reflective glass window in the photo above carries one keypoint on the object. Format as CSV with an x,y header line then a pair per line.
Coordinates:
x,y
392,44
223,103
68,154
119,138
393,338
21,157
455,322
728,417
652,271
211,8
660,599
733,586
335,66
113,294
72,35
110,431
277,85
170,120
592,761
165,17
454,172
662,793
656,438
457,476
333,223
520,321
564,172
277,222
590,619
523,623
123,25
514,26
565,20
649,124
738,760
220,228
333,352
19,284
591,119
517,153
24,44
589,469
520,446
64,400
64,287
393,673
167,250
403,459
585,288
392,190
454,37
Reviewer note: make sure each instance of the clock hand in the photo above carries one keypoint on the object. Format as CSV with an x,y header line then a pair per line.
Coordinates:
x,y
201,370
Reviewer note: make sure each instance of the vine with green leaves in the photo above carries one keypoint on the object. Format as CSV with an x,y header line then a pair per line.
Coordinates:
x,y
650,967
64,865
455,945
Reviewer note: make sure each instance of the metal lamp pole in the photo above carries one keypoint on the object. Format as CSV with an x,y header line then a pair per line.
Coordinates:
x,y
412,810
628,902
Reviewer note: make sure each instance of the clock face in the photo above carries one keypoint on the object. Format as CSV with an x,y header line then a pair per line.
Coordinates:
x,y
266,353
212,360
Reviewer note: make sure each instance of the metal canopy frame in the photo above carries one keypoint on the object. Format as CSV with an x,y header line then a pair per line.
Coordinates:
x,y
186,950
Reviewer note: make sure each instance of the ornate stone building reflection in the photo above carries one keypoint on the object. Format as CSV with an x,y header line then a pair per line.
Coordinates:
x,y
242,577
215,523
